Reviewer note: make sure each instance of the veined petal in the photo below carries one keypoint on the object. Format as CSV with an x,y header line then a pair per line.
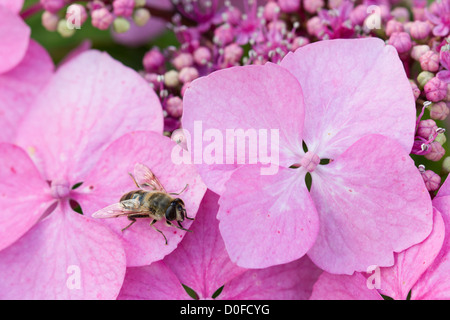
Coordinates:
x,y
267,220
249,100
372,202
15,36
64,256
343,287
352,88
24,195
19,88
89,102
201,261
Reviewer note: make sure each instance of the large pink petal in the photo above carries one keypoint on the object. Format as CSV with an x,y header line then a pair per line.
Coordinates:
x,y
201,261
434,283
372,202
397,281
267,219
91,101
15,36
291,281
20,86
24,196
13,5
251,97
109,180
343,287
352,88
153,282
64,256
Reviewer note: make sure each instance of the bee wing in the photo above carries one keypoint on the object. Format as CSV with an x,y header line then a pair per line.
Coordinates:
x,y
146,179
122,208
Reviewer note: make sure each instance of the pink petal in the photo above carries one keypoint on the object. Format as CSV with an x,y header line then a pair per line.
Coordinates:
x,y
15,35
201,261
64,256
397,281
267,219
291,281
352,88
153,282
91,101
343,287
20,86
109,180
13,5
372,189
434,283
21,181
251,97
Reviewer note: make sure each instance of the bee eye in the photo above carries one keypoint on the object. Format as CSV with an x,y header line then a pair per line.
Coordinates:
x,y
171,213
179,208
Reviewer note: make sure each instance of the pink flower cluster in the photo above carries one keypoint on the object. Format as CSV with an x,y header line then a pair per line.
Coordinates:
x,y
354,93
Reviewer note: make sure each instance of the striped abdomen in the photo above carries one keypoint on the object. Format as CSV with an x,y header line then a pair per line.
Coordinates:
x,y
154,202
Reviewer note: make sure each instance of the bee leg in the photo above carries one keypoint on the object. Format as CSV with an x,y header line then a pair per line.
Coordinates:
x,y
176,194
133,220
152,225
135,182
178,227
185,215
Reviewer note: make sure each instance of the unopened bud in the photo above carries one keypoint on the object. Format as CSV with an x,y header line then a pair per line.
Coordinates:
x,y
423,78
121,25
426,129
431,179
64,30
435,89
439,110
446,165
50,21
141,16
437,152
171,79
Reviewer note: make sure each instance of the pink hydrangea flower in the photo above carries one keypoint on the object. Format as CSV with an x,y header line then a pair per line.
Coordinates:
x,y
421,271
352,94
25,67
210,268
71,135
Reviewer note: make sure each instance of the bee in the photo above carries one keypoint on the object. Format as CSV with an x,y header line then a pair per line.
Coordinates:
x,y
150,201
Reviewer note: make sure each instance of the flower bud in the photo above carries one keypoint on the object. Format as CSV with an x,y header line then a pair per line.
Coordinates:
x,y
271,11
171,79
415,89
121,25
76,15
429,61
140,3
50,21
102,18
289,6
435,89
401,41
423,78
426,128
224,34
312,6
123,8
420,30
174,107
437,152
299,42
153,60
64,30
315,27
439,110
183,60
359,14
233,53
141,16
446,165
202,56
431,179
188,74
393,26
418,51
441,138
52,6
400,14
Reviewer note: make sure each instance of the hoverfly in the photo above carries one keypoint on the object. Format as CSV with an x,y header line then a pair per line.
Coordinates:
x,y
150,201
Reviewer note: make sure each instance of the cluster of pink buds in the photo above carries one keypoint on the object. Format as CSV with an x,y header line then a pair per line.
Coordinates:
x,y
65,16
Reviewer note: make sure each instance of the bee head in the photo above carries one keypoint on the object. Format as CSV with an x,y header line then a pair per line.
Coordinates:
x,y
176,210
